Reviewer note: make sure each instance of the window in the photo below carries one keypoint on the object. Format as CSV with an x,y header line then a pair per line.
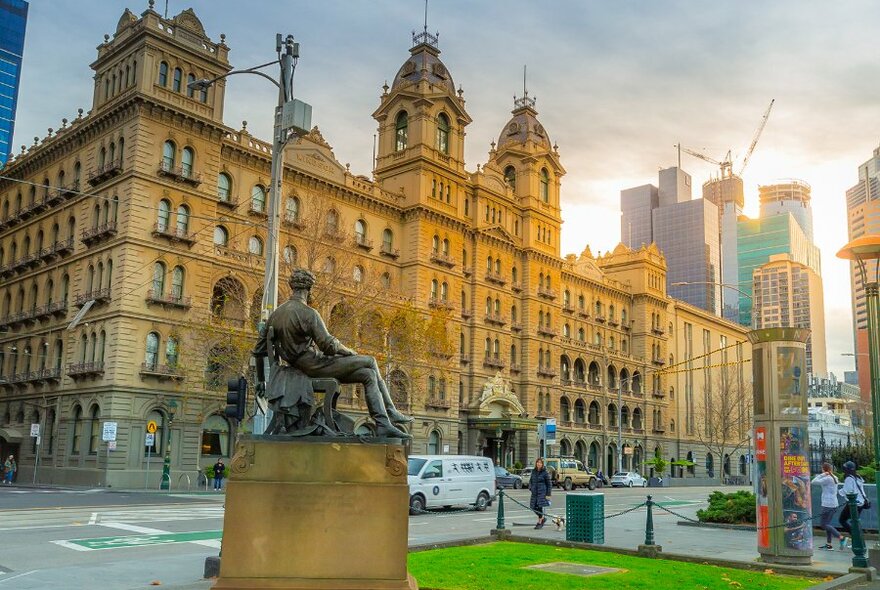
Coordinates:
x,y
76,441
163,74
258,199
360,231
151,357
387,240
400,131
332,222
177,276
434,449
358,274
164,216
182,220
203,94
291,210
215,436
178,79
190,78
443,133
434,285
224,187
290,254
510,176
158,279
386,280
329,265
187,159
169,153
171,353
545,186
94,430
255,245
221,236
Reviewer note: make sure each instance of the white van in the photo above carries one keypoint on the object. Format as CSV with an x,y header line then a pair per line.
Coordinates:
x,y
449,480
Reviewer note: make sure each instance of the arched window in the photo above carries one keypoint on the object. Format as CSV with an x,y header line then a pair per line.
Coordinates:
x,y
545,186
76,440
444,291
332,222
190,78
65,288
564,368
435,244
564,409
255,245
434,288
443,133
178,80
400,131
182,220
187,159
177,276
582,335
171,351
102,157
203,94
329,265
446,246
358,274
360,231
387,240
163,74
215,436
386,280
94,430
221,236
510,176
163,219
513,274
291,210
290,254
258,198
151,357
99,348
434,443
224,187
169,154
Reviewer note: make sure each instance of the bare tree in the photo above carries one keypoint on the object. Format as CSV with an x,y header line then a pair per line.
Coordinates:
x,y
723,419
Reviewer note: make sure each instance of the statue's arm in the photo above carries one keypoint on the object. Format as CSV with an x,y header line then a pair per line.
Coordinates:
x,y
324,340
261,351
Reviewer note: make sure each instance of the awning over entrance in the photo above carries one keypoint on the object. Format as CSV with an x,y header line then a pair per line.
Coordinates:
x,y
11,435
492,424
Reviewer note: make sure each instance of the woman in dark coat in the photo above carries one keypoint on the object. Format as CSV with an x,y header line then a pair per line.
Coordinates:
x,y
540,485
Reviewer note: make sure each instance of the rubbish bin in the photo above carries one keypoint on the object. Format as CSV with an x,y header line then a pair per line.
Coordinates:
x,y
585,517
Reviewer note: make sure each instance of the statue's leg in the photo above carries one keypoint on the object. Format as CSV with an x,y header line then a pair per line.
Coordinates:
x,y
376,405
394,414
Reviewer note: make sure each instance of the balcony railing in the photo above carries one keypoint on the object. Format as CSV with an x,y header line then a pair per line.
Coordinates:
x,y
363,243
517,327
390,252
547,371
437,303
442,259
599,318
548,331
229,201
583,313
567,308
464,359
292,220
495,363
493,277
98,233
658,394
179,173
515,368
169,299
243,257
442,404
613,322
546,293
658,361
161,371
334,234
466,314
495,319
658,331
99,295
85,369
467,272
175,234
104,173
258,209
61,248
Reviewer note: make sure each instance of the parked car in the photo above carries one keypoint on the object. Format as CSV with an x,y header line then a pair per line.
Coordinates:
x,y
449,480
628,479
569,473
526,475
506,479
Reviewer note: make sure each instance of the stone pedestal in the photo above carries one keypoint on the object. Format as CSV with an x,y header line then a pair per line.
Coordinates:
x,y
328,514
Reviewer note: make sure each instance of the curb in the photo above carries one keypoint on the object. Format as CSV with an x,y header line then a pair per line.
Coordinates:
x,y
752,528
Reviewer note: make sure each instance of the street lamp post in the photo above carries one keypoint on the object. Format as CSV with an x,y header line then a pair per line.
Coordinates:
x,y
292,118
860,251
166,464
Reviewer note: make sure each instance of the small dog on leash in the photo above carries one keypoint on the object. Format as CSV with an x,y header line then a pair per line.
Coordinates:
x,y
558,521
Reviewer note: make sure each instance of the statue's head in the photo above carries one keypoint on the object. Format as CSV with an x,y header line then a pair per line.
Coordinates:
x,y
302,280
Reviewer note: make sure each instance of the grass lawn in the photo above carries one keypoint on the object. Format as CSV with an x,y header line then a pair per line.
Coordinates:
x,y
500,566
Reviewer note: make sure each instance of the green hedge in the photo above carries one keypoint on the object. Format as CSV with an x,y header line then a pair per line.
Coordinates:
x,y
735,508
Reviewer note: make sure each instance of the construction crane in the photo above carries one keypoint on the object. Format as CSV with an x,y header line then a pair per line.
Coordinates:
x,y
726,164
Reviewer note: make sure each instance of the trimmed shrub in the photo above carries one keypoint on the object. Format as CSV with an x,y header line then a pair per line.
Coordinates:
x,y
735,508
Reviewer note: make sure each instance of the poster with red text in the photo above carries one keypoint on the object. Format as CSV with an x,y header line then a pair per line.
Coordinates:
x,y
763,513
796,507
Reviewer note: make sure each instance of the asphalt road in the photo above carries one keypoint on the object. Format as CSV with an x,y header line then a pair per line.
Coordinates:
x,y
86,539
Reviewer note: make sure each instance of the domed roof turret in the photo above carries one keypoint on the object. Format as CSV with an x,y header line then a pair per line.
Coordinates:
x,y
424,64
524,126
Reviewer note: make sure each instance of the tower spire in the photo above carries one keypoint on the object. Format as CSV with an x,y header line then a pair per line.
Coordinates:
x,y
426,16
525,101
425,38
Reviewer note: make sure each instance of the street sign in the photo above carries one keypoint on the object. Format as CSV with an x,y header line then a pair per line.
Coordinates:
x,y
109,433
35,430
550,429
627,450
111,445
152,427
150,439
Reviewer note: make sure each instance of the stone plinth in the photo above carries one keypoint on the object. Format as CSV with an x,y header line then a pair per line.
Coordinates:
x,y
328,514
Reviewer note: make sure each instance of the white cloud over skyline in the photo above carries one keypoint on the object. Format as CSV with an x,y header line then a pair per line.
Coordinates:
x,y
617,85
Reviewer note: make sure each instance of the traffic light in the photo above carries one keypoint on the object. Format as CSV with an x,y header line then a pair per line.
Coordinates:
x,y
236,398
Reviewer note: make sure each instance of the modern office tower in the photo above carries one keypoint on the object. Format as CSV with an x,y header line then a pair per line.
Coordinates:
x,y
675,186
790,196
789,294
687,234
13,19
758,240
727,194
863,218
636,205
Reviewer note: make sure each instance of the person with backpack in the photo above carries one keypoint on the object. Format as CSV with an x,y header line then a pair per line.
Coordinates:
x,y
852,484
828,482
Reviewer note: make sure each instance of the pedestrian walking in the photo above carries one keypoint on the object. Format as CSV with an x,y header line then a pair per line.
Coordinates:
x,y
828,482
9,468
852,484
219,470
540,486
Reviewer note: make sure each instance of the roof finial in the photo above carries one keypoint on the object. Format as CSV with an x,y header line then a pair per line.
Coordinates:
x,y
426,16
524,101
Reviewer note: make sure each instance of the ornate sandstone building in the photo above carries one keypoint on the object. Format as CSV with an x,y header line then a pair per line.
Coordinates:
x,y
150,210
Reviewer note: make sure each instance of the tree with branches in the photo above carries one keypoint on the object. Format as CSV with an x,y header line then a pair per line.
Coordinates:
x,y
723,418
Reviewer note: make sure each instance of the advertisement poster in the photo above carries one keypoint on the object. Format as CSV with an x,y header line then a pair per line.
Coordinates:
x,y
761,486
796,507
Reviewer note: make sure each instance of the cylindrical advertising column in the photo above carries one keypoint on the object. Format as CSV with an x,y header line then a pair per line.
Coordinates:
x,y
782,472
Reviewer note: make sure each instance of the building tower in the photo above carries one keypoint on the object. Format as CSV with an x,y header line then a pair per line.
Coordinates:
x,y
791,196
727,194
13,15
863,218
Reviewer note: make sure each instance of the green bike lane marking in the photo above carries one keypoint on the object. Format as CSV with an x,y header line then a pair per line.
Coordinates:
x,y
119,542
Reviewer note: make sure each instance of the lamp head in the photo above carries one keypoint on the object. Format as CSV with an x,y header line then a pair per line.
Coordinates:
x,y
202,84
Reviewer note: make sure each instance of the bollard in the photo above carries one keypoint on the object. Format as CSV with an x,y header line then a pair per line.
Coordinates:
x,y
858,541
649,524
499,532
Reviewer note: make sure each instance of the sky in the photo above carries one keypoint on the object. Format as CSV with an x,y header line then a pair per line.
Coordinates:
x,y
617,83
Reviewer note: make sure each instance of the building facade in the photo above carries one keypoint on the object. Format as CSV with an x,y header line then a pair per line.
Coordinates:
x,y
728,195
790,294
13,22
791,196
145,221
863,218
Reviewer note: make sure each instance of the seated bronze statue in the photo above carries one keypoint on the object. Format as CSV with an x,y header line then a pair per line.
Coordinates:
x,y
300,348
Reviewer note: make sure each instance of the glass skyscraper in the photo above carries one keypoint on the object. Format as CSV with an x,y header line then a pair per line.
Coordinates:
x,y
13,20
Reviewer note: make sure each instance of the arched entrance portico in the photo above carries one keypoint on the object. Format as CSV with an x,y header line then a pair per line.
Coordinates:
x,y
498,428
593,457
10,442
